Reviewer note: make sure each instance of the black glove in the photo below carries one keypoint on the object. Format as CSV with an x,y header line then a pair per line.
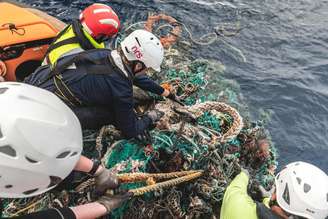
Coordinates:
x,y
113,202
172,96
145,137
155,115
105,180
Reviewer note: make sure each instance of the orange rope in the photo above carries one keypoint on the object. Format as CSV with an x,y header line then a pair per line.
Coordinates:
x,y
170,38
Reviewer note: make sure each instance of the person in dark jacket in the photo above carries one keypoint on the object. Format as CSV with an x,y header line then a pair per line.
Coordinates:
x,y
98,84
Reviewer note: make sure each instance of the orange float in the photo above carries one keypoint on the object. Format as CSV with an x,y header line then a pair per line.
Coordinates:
x,y
25,35
170,38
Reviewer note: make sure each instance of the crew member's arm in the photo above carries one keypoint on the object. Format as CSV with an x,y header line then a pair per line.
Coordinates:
x,y
236,202
54,213
126,119
145,83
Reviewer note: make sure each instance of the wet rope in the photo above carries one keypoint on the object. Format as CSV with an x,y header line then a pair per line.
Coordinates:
x,y
166,184
181,176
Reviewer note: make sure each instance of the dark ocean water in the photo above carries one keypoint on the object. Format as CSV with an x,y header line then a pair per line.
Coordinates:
x,y
285,45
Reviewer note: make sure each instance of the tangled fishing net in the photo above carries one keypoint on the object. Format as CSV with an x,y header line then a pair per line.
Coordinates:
x,y
200,147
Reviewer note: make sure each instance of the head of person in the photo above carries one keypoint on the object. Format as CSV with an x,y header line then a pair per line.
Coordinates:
x,y
40,140
301,192
100,21
142,50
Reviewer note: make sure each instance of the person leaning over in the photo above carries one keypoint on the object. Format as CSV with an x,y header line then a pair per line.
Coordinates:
x,y
98,84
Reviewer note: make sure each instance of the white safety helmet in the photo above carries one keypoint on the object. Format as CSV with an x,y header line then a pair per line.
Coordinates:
x,y
302,190
40,140
145,47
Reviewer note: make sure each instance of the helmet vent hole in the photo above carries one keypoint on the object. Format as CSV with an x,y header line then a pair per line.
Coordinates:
x,y
54,180
1,135
294,173
3,90
8,186
299,180
31,160
306,187
8,150
138,41
63,155
74,153
326,197
278,176
28,192
126,49
285,195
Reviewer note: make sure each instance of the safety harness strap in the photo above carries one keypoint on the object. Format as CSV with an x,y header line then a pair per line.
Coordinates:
x,y
82,39
64,93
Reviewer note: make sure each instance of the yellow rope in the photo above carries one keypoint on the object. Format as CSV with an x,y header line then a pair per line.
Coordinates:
x,y
168,183
137,177
27,208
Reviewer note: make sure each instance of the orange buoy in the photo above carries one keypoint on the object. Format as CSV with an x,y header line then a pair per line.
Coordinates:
x,y
170,38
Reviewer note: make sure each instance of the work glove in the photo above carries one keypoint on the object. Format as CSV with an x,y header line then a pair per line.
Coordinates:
x,y
242,169
155,115
105,180
172,96
113,202
145,137
265,193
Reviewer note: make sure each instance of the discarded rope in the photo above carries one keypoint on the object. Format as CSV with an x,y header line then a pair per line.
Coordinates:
x,y
137,177
162,185
140,177
237,124
170,38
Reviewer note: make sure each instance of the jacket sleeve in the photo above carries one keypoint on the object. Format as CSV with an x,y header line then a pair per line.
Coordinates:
x,y
240,183
125,118
236,202
54,213
145,83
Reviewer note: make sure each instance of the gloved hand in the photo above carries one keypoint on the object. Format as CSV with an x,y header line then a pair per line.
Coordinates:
x,y
171,96
113,202
105,180
144,137
265,193
174,98
242,169
155,115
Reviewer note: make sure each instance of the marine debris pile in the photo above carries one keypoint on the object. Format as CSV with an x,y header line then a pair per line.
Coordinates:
x,y
211,137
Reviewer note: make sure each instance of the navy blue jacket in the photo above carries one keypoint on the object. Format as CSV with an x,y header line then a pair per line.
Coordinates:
x,y
102,86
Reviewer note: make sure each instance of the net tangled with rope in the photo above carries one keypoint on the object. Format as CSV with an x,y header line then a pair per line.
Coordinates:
x,y
180,169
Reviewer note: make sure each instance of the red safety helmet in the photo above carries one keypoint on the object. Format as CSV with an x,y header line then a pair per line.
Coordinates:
x,y
100,21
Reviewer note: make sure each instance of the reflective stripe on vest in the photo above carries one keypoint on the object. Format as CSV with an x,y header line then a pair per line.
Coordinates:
x,y
67,41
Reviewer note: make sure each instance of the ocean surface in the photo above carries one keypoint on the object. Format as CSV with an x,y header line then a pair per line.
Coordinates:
x,y
280,60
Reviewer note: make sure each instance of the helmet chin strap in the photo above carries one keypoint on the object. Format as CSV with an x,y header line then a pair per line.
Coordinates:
x,y
134,65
